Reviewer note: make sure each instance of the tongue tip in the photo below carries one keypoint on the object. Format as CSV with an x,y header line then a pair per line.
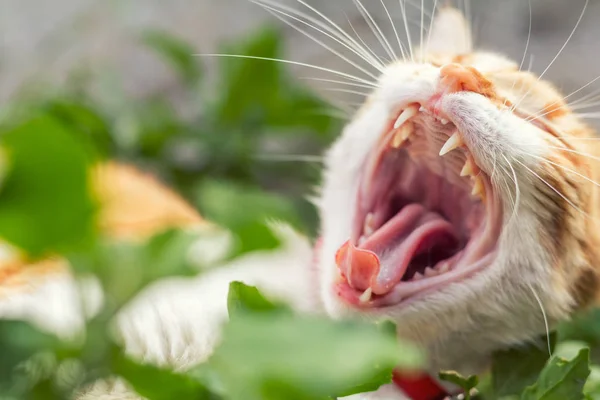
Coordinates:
x,y
360,267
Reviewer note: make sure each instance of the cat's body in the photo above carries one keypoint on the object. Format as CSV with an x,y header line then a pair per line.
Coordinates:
x,y
519,253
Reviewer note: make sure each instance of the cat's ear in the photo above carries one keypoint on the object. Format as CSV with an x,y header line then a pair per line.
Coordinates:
x,y
450,33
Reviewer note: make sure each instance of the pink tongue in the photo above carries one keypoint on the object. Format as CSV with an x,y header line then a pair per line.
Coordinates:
x,y
383,258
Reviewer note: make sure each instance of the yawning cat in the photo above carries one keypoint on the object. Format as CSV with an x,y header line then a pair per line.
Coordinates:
x,y
460,202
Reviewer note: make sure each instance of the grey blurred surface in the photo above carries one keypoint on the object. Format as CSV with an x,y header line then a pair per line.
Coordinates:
x,y
46,40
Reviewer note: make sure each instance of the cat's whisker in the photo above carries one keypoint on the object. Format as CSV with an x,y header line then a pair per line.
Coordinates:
x,y
319,42
422,27
289,158
400,44
517,200
361,85
367,47
405,19
565,198
539,301
565,100
350,91
320,27
567,41
376,30
540,76
566,169
528,38
284,61
332,23
432,19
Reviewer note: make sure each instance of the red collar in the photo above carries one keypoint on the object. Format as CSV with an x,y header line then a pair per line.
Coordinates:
x,y
422,387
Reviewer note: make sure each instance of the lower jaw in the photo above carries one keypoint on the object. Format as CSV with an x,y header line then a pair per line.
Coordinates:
x,y
407,293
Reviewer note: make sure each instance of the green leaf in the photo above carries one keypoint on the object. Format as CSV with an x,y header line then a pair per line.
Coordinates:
x,y
467,384
561,379
18,342
245,211
247,299
155,383
125,268
517,368
178,53
45,201
583,327
312,356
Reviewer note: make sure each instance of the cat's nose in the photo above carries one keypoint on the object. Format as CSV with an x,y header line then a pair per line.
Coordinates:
x,y
457,77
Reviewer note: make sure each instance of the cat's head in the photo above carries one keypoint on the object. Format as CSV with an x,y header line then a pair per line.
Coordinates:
x,y
460,201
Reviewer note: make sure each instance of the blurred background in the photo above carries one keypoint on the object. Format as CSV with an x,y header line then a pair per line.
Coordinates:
x,y
125,72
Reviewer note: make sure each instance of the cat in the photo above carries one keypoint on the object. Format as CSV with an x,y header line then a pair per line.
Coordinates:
x,y
460,202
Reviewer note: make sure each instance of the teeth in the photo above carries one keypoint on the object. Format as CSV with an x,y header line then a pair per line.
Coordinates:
x,y
423,110
454,142
443,268
444,121
478,188
366,296
402,135
429,272
368,228
468,169
361,240
405,116
417,276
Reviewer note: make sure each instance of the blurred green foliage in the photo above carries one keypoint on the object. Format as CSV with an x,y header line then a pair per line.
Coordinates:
x,y
212,157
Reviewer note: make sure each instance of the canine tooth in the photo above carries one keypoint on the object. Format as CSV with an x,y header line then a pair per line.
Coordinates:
x,y
429,272
362,239
478,188
402,135
417,276
467,168
405,116
454,142
422,109
366,296
444,121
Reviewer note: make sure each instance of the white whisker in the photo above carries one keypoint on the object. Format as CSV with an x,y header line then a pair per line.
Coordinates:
x,y
539,301
327,31
333,24
404,18
289,158
376,30
395,30
553,188
301,64
358,92
361,85
517,200
567,41
431,24
372,53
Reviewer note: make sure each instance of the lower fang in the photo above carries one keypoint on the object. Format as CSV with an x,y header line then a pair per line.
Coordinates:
x,y
444,121
366,296
401,135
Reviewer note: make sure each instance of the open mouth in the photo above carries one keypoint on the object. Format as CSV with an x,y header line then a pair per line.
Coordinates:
x,y
426,216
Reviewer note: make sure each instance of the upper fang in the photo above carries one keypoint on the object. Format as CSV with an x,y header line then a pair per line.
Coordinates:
x,y
454,142
405,116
